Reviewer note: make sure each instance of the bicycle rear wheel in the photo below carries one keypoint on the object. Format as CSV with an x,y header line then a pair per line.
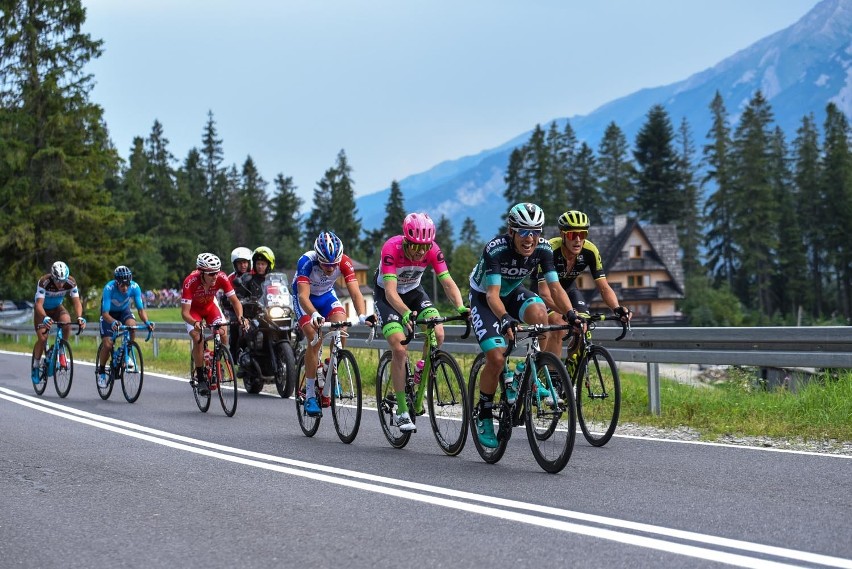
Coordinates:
x,y
550,414
346,397
203,401
104,392
227,382
308,424
386,404
132,373
489,455
63,375
41,385
447,403
598,396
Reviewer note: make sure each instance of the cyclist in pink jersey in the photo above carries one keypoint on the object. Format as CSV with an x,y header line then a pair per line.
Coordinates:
x,y
198,303
400,298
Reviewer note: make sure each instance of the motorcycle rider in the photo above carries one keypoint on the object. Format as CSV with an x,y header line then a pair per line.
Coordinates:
x,y
240,259
249,287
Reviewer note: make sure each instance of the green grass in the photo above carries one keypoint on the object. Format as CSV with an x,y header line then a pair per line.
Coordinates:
x,y
821,410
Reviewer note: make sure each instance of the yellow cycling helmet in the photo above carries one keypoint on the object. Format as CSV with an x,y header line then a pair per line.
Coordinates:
x,y
573,220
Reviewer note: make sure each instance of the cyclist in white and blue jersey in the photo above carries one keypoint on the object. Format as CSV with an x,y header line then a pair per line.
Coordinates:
x,y
115,311
498,299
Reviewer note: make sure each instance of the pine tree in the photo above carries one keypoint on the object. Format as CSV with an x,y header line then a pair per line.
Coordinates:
x,y
190,239
689,230
342,217
722,252
837,188
252,207
216,237
755,214
614,171
810,205
56,155
470,234
518,185
585,194
444,238
658,200
394,212
285,233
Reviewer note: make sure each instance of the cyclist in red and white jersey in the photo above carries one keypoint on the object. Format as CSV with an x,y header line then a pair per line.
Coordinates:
x,y
400,297
198,303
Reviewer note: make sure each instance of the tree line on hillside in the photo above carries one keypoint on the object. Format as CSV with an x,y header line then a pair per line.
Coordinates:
x,y
769,239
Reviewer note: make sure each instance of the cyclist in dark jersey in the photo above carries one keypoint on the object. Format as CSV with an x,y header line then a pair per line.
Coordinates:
x,y
498,299
572,253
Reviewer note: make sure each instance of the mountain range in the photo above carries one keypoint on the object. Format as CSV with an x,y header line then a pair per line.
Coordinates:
x,y
799,70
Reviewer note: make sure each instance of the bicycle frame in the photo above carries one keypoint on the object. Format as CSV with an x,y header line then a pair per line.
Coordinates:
x,y
337,334
120,339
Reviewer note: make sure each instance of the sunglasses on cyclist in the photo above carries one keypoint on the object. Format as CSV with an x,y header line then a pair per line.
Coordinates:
x,y
418,247
329,266
122,283
524,233
571,235
210,274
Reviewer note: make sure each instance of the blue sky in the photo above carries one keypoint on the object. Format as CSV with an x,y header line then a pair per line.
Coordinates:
x,y
400,85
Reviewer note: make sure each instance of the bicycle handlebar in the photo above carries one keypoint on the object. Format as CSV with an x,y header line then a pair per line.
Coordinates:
x,y
122,328
48,326
532,330
331,326
432,322
600,316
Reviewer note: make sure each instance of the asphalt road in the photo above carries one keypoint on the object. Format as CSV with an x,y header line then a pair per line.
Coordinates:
x,y
104,484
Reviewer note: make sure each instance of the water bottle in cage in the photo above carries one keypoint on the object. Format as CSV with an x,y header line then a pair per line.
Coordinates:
x,y
418,370
208,362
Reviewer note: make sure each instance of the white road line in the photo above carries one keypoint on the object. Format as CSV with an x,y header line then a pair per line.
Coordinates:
x,y
368,482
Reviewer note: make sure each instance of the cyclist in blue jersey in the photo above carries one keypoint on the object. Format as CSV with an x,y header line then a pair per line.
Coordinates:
x,y
498,299
50,292
115,311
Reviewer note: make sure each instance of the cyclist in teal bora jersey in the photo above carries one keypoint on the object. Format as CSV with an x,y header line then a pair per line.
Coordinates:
x,y
50,292
115,311
498,300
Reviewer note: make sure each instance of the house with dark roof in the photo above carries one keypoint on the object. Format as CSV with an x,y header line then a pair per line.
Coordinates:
x,y
642,265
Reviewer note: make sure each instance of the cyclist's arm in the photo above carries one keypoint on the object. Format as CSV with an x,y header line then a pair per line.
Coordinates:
x,y
305,297
560,299
186,313
544,292
607,294
451,289
238,307
357,297
392,296
78,306
38,310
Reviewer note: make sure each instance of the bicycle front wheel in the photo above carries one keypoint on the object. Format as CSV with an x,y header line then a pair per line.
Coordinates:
x,y
308,424
598,396
203,401
447,402
132,373
41,384
285,378
488,454
346,397
550,414
227,382
63,369
386,404
106,391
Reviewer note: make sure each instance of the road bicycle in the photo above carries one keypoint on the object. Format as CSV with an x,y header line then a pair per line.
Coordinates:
x,y
441,383
340,377
124,364
58,361
542,401
219,371
597,388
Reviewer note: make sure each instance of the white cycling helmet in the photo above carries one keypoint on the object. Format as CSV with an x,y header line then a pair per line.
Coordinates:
x,y
240,254
60,271
525,216
208,262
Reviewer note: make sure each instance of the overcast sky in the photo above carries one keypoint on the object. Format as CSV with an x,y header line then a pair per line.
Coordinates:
x,y
400,85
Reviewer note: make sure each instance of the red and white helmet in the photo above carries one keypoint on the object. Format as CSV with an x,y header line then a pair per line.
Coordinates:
x,y
418,228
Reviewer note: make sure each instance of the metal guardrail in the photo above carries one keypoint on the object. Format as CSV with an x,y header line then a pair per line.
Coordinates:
x,y
773,347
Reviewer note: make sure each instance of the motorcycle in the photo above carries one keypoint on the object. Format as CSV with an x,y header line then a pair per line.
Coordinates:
x,y
268,356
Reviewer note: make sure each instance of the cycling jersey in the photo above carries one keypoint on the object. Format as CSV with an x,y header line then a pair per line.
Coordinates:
x,y
54,293
501,265
394,265
589,256
194,293
308,271
118,301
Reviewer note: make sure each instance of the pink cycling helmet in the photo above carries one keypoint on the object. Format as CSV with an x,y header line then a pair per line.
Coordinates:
x,y
418,228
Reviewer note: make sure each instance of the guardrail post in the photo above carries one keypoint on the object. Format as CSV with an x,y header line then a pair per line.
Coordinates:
x,y
654,388
156,347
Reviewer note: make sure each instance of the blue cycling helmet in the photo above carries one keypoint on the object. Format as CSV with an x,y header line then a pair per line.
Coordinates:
x,y
328,247
122,274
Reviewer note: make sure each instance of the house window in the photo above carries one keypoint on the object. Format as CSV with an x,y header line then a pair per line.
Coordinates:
x,y
635,251
638,280
641,309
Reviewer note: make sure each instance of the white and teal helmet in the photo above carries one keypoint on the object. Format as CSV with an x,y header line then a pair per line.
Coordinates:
x,y
525,216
